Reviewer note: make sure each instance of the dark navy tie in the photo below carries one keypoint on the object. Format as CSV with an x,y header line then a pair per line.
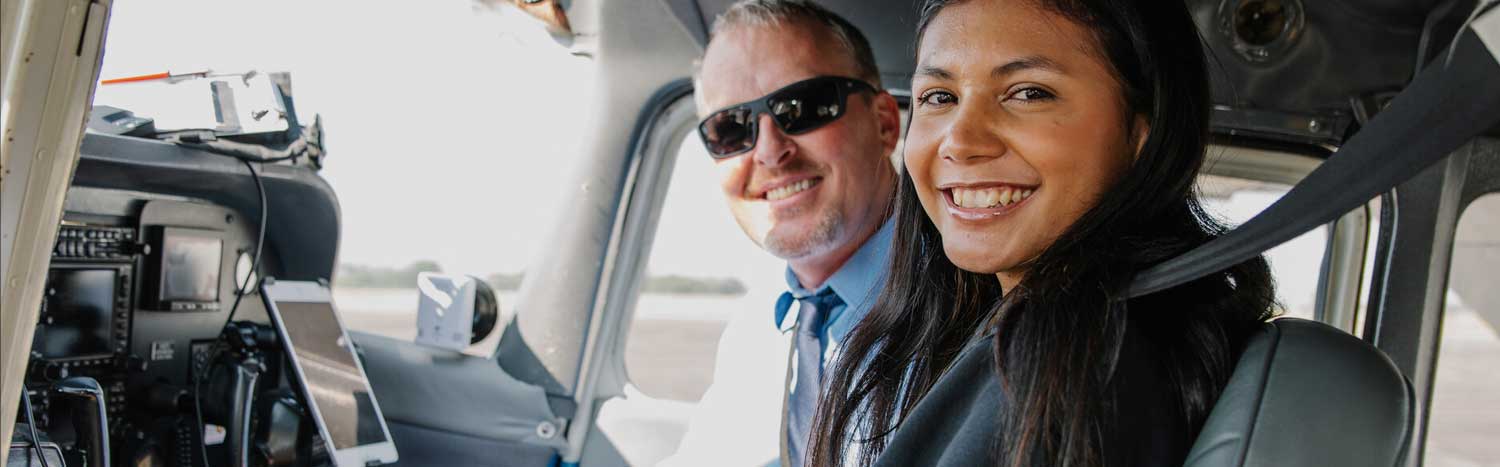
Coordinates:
x,y
808,386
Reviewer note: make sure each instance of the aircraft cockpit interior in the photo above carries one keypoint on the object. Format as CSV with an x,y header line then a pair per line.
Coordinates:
x,y
151,323
189,296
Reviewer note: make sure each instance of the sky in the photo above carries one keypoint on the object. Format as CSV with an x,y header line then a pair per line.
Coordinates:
x,y
448,124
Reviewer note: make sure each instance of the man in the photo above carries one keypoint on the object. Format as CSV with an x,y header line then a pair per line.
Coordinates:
x,y
801,132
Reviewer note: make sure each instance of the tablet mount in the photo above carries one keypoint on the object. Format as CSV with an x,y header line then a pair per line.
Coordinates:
x,y
261,421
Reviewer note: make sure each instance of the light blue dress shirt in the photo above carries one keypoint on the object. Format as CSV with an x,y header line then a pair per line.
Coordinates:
x,y
857,284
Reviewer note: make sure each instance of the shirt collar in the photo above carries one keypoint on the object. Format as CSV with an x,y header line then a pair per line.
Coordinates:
x,y
858,282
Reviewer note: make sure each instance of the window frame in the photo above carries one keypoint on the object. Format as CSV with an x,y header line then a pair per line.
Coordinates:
x,y
1341,275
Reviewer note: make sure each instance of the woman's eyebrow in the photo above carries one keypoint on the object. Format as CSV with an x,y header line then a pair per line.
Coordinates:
x,y
1033,62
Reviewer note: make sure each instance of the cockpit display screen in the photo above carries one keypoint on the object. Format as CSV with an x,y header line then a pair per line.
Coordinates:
x,y
80,303
191,272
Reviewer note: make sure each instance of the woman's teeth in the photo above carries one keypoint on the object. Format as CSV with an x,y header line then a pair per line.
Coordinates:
x,y
783,192
988,197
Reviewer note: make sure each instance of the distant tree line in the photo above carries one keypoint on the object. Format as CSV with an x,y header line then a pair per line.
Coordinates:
x,y
354,275
360,276
683,285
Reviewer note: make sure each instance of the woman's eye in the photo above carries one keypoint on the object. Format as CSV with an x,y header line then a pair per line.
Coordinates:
x,y
1032,94
937,98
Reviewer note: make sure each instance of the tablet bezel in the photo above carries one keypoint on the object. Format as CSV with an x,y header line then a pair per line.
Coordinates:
x,y
272,292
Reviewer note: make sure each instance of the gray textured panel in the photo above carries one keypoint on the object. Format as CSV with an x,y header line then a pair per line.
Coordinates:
x,y
1349,47
423,447
691,18
448,391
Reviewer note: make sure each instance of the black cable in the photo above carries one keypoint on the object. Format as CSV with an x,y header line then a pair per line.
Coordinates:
x,y
201,374
208,141
36,441
260,239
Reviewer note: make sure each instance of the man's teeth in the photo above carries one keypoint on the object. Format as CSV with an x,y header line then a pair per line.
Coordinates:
x,y
988,197
783,192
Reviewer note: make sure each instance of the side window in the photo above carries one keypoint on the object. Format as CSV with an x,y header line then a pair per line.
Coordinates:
x,y
1464,419
703,271
1295,265
449,161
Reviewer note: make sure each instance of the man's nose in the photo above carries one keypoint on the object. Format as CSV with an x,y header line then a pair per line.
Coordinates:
x,y
773,148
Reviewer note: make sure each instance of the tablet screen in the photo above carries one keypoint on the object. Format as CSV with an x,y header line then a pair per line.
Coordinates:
x,y
331,375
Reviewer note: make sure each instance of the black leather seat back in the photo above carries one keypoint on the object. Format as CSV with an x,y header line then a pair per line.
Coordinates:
x,y
1307,394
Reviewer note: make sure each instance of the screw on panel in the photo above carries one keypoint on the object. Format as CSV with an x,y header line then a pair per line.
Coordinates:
x,y
546,430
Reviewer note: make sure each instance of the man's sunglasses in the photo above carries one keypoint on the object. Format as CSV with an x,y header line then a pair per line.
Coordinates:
x,y
798,108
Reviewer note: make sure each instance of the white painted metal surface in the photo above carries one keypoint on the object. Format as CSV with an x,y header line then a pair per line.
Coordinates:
x,y
52,52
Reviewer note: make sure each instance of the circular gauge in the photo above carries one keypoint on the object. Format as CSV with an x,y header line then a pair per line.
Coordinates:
x,y
242,272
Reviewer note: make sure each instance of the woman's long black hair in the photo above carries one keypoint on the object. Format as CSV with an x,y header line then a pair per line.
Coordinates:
x,y
1060,331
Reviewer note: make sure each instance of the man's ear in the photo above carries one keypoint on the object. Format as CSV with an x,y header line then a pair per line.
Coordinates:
x,y
888,115
1140,131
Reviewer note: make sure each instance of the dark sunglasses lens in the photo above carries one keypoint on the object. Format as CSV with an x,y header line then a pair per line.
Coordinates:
x,y
728,132
806,106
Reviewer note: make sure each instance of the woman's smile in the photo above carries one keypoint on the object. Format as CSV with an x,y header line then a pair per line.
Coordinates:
x,y
985,202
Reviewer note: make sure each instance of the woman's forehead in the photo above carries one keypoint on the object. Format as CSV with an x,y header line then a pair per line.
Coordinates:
x,y
992,36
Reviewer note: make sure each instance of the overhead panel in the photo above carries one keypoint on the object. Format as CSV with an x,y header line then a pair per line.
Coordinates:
x,y
1301,71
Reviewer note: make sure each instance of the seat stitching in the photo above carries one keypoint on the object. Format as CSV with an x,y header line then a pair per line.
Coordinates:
x,y
1260,396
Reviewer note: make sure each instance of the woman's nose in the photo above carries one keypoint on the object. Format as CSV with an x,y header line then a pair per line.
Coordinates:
x,y
974,135
773,148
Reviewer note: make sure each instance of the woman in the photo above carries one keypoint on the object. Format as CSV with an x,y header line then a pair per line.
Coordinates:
x,y
1051,155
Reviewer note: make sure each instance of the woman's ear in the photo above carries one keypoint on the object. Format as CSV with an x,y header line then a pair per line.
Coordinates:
x,y
1140,130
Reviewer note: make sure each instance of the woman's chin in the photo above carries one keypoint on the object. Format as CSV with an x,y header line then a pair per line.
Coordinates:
x,y
978,262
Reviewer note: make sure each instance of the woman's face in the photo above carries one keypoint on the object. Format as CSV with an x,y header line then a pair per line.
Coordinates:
x,y
1018,127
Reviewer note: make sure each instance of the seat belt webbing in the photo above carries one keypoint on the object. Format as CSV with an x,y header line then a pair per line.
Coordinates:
x,y
1445,106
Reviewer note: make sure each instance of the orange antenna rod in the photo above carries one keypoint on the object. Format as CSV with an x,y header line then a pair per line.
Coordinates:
x,y
166,76
137,79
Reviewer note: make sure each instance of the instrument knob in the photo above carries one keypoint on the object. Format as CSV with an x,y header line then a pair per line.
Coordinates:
x,y
51,372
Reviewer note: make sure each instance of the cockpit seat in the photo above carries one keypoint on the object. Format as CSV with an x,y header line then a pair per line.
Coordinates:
x,y
1307,394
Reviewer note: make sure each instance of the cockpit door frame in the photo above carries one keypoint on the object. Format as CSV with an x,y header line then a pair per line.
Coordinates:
x,y
566,322
52,54
1413,257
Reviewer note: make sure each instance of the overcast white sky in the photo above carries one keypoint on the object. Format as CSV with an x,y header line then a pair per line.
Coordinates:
x,y
449,125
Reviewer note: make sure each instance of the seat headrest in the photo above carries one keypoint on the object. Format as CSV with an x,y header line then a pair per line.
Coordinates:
x,y
1307,394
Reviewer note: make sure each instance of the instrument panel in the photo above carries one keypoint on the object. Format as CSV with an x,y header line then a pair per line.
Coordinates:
x,y
134,357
